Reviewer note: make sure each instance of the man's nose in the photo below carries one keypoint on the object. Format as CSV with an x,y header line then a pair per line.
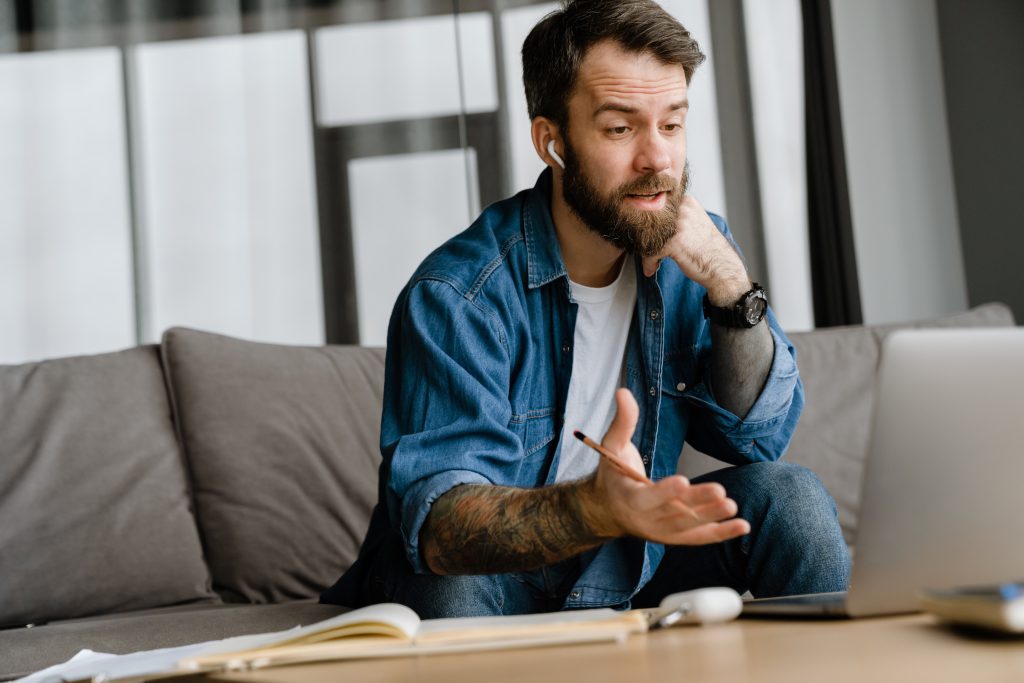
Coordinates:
x,y
652,154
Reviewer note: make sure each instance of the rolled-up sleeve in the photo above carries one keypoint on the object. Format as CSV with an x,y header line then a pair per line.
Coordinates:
x,y
446,408
765,431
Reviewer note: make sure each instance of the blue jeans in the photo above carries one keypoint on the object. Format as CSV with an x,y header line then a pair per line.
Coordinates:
x,y
795,546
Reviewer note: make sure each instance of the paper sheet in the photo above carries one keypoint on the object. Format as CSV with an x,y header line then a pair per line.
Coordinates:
x,y
88,665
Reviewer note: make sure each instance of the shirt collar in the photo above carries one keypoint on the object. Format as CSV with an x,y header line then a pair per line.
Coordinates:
x,y
544,257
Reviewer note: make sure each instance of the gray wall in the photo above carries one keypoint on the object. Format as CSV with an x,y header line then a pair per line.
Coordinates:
x,y
983,54
902,197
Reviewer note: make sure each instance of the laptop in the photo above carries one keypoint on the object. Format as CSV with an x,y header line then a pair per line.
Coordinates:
x,y
943,477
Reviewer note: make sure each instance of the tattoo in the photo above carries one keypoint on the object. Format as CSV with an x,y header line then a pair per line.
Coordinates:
x,y
475,529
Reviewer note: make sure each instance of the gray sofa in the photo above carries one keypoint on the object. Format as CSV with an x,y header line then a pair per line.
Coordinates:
x,y
209,486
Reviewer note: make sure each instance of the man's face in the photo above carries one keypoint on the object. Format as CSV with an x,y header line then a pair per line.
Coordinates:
x,y
625,147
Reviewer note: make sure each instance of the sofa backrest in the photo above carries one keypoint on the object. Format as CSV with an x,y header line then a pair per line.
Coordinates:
x,y
95,514
276,472
282,448
838,366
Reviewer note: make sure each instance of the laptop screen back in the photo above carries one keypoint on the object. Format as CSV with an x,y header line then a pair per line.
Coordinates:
x,y
945,468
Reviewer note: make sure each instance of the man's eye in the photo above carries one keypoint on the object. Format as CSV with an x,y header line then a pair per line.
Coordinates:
x,y
618,130
673,126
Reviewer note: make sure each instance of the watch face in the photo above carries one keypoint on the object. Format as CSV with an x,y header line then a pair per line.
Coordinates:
x,y
755,309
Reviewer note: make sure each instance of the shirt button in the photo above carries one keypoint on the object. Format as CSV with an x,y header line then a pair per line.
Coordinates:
x,y
575,595
565,349
681,386
646,458
654,314
653,391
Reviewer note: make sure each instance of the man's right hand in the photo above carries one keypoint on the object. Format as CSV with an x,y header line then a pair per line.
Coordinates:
x,y
671,511
485,529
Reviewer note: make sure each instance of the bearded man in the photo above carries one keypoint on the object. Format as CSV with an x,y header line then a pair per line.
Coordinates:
x,y
605,299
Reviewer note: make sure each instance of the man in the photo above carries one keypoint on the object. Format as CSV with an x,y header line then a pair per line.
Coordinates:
x,y
517,331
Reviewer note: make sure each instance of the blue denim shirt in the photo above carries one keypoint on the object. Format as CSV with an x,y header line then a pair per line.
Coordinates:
x,y
480,350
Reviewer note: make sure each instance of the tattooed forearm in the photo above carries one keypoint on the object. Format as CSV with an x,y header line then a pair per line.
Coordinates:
x,y
490,529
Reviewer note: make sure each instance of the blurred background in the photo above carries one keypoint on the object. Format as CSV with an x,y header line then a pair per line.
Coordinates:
x,y
276,169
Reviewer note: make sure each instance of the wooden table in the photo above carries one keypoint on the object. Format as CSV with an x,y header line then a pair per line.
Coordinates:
x,y
908,648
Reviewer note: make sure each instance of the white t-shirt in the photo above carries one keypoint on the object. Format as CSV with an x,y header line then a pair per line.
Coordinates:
x,y
599,347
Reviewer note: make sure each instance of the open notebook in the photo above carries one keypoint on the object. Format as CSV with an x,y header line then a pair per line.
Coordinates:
x,y
390,630
384,630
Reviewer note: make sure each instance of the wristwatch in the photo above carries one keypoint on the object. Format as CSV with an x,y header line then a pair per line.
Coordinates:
x,y
745,313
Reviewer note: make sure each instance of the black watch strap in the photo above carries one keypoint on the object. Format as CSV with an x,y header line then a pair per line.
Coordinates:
x,y
748,311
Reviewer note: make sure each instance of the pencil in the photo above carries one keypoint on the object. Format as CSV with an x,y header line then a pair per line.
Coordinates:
x,y
612,458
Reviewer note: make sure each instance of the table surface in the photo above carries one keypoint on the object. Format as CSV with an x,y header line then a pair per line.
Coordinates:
x,y
905,648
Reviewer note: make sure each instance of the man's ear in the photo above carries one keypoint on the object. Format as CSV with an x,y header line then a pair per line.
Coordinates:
x,y
544,132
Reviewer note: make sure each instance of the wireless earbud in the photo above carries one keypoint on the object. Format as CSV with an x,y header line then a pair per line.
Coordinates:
x,y
554,154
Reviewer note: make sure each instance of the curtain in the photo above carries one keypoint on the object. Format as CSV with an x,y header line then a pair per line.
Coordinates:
x,y
834,280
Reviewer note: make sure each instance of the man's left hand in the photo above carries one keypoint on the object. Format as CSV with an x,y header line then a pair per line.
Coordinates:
x,y
704,255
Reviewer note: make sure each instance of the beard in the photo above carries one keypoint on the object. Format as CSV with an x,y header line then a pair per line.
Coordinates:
x,y
638,232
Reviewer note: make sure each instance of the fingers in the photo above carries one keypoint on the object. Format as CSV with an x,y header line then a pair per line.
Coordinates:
x,y
618,436
687,516
692,494
716,511
710,523
713,533
696,514
675,495
673,511
651,264
690,203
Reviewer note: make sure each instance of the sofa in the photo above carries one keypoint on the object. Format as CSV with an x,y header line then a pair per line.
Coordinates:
x,y
208,486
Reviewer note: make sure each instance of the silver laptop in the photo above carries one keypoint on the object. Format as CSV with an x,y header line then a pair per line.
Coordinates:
x,y
944,475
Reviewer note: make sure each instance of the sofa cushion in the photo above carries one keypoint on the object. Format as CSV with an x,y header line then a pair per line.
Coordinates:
x,y
282,444
96,513
24,650
838,367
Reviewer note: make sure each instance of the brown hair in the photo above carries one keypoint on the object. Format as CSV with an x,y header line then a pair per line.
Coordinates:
x,y
556,46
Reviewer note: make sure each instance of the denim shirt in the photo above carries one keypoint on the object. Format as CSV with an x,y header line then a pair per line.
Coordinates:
x,y
480,350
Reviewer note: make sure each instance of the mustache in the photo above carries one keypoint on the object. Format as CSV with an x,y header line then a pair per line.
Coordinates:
x,y
655,183
649,184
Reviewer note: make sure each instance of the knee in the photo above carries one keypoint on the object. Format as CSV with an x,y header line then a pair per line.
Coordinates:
x,y
790,488
786,500
795,513
433,596
794,503
796,545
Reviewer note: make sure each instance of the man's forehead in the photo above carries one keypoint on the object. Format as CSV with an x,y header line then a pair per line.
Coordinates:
x,y
609,73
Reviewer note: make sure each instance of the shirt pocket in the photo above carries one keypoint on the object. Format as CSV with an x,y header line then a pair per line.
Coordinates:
x,y
535,429
679,373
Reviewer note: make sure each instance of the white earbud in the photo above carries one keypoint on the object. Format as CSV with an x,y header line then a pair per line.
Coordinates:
x,y
554,154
